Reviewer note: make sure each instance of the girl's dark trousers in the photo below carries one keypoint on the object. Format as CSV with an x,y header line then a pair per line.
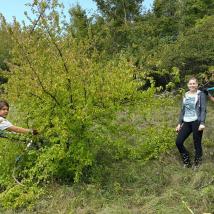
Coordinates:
x,y
186,129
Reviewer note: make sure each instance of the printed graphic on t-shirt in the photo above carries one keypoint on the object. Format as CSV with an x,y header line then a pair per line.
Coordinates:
x,y
190,107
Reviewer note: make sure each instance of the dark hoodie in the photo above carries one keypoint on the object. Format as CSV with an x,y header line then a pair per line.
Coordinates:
x,y
200,108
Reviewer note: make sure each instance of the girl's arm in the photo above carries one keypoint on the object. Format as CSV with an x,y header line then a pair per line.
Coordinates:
x,y
19,129
180,120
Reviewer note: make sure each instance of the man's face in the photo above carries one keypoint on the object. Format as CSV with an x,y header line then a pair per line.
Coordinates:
x,y
4,111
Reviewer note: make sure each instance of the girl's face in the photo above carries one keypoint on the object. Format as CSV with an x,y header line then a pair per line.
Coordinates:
x,y
192,85
4,111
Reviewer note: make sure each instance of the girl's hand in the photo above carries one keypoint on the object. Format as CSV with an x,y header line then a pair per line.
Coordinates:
x,y
201,127
178,128
34,131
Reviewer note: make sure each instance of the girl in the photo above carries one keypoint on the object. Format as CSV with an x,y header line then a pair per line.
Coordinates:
x,y
192,119
6,125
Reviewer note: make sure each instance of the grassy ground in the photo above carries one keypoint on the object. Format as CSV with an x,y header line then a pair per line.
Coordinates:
x,y
160,186
133,187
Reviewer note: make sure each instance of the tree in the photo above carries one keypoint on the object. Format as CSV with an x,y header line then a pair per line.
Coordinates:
x,y
166,19
79,22
192,10
193,52
5,47
120,11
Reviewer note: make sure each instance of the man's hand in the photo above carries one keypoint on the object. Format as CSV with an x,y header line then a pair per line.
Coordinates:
x,y
205,91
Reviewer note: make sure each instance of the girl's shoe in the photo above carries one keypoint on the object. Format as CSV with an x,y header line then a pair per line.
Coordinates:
x,y
186,161
197,162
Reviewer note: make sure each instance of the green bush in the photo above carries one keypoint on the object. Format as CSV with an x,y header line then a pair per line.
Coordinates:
x,y
9,151
75,99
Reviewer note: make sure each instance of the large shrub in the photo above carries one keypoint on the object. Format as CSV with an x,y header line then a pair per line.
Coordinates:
x,y
63,87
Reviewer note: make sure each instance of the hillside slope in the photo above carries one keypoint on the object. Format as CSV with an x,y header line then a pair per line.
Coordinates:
x,y
135,187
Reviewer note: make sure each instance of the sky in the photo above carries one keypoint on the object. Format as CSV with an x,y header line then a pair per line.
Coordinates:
x,y
16,8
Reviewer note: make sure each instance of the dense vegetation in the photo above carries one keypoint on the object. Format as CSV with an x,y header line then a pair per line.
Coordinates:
x,y
102,91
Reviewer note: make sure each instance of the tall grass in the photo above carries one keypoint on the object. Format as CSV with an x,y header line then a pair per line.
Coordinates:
x,y
160,185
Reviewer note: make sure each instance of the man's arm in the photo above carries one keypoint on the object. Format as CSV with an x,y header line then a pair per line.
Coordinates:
x,y
211,98
203,108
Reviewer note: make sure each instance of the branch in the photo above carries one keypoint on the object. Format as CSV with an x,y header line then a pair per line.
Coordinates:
x,y
37,96
34,71
62,59
38,19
